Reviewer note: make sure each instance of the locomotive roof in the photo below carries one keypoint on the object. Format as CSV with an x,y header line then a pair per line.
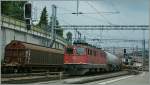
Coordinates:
x,y
83,43
15,44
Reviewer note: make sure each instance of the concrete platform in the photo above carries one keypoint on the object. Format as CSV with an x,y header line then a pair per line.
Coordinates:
x,y
94,78
140,79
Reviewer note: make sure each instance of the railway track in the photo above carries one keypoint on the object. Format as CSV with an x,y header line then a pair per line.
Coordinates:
x,y
40,77
31,77
27,74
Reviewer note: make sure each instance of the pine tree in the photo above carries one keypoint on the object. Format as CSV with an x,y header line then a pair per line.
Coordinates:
x,y
43,23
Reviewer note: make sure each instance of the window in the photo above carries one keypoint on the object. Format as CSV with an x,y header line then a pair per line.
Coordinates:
x,y
80,51
69,50
88,51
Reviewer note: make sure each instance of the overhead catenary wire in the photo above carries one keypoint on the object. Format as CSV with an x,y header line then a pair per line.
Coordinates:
x,y
65,9
94,18
85,14
99,13
81,13
114,6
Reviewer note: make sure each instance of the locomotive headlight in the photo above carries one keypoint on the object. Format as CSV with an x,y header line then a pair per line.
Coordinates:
x,y
66,61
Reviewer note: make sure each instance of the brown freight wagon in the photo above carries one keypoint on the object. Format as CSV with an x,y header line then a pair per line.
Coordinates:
x,y
24,57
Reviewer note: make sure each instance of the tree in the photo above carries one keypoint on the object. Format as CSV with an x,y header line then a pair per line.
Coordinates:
x,y
13,9
43,23
59,31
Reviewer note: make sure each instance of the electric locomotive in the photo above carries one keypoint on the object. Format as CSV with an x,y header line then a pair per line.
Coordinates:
x,y
81,58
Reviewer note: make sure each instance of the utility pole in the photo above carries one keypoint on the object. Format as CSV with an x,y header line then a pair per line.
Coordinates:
x,y
149,42
84,38
79,35
53,25
113,50
75,31
77,7
143,49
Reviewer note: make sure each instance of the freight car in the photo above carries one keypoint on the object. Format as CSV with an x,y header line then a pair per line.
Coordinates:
x,y
26,57
82,58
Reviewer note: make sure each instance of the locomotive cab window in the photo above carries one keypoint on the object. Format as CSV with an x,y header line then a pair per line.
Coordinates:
x,y
88,52
69,50
80,51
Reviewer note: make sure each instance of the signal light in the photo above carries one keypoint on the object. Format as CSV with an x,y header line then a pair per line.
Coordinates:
x,y
124,51
27,11
28,27
28,21
28,24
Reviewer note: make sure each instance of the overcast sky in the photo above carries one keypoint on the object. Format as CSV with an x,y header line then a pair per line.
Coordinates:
x,y
99,12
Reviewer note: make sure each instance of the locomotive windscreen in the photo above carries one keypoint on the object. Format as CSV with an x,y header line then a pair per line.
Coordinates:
x,y
80,51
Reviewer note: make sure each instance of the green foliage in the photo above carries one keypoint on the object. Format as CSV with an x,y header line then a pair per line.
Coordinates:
x,y
43,23
13,9
59,31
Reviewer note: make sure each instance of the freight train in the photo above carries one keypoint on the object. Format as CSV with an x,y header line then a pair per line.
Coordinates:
x,y
77,59
82,58
26,57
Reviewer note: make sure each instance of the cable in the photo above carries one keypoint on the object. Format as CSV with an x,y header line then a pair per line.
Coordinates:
x,y
99,13
82,14
94,18
71,12
65,9
64,20
114,6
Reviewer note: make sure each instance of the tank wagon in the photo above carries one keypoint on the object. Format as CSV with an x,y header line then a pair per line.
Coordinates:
x,y
26,57
82,58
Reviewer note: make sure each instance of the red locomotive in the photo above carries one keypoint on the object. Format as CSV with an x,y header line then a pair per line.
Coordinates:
x,y
81,58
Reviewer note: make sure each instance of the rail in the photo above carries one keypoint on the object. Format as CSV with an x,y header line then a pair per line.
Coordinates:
x,y
47,74
21,26
104,27
55,74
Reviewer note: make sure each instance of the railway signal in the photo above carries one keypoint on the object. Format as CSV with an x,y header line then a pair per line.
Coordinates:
x,y
27,11
28,15
28,24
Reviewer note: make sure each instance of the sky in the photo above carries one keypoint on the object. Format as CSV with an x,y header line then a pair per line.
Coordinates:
x,y
100,12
